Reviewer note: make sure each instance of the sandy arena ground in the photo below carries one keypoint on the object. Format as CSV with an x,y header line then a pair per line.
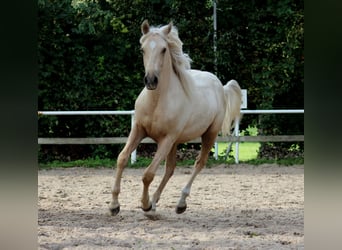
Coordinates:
x,y
230,207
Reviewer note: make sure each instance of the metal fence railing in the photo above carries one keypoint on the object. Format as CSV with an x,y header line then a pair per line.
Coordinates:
x,y
121,140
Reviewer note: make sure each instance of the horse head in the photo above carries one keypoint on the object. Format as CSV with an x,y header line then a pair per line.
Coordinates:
x,y
154,48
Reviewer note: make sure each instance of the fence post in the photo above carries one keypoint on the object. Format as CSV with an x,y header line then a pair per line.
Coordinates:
x,y
236,130
216,151
134,153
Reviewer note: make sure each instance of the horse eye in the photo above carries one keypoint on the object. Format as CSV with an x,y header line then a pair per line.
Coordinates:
x,y
142,51
163,51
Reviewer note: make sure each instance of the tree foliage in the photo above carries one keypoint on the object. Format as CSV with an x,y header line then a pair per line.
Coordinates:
x,y
89,59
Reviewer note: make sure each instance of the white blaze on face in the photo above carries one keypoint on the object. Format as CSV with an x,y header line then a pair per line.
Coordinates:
x,y
152,45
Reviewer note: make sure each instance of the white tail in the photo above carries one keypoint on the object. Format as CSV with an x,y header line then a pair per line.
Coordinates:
x,y
233,95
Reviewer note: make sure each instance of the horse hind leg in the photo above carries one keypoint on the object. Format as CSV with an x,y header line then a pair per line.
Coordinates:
x,y
208,140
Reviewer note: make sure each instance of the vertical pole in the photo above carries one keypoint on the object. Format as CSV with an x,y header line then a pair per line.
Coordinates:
x,y
215,37
134,153
236,130
216,151
215,60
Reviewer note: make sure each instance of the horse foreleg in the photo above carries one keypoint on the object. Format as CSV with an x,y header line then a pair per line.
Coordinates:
x,y
163,150
169,169
133,141
207,143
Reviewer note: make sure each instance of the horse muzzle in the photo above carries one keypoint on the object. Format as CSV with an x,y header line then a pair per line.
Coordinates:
x,y
151,82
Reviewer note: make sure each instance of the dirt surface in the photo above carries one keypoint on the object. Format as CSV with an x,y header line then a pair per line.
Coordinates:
x,y
230,207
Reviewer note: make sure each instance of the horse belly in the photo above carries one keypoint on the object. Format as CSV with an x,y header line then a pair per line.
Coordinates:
x,y
189,134
196,126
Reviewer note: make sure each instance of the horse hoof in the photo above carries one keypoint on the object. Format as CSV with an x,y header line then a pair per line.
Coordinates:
x,y
180,210
114,211
147,209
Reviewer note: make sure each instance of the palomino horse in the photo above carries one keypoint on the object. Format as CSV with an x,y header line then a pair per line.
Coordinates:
x,y
177,105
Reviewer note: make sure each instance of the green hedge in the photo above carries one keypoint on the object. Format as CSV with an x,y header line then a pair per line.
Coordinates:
x,y
89,59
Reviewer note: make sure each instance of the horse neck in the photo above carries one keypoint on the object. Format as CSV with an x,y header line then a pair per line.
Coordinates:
x,y
168,80
169,83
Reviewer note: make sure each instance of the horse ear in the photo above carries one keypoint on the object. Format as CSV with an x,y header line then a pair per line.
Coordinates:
x,y
145,27
168,28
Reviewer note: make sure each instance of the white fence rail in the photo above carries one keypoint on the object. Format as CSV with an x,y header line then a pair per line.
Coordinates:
x,y
121,140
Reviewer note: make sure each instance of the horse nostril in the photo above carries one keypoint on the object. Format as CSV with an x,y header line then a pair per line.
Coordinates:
x,y
151,81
